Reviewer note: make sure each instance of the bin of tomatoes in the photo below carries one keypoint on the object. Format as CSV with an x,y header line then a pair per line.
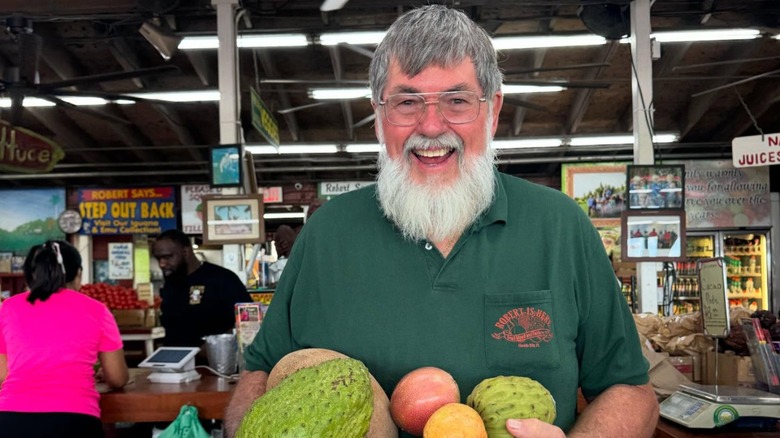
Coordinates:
x,y
123,301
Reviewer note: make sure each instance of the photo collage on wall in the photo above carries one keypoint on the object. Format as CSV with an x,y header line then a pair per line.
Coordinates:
x,y
653,225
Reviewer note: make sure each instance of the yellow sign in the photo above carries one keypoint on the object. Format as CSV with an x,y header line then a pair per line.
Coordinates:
x,y
263,120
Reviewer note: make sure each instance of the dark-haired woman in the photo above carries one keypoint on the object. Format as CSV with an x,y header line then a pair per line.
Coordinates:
x,y
50,338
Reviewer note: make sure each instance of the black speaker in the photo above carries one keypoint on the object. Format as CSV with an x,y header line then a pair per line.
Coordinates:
x,y
609,19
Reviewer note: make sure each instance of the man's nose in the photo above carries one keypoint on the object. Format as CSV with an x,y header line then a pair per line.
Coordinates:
x,y
432,122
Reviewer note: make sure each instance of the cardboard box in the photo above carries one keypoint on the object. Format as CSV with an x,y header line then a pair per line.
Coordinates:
x,y
732,370
689,366
146,318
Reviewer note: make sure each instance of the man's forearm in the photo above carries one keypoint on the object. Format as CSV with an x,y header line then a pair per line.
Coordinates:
x,y
249,388
621,411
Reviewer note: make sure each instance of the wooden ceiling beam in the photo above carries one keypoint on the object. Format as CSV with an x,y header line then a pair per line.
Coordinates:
x,y
763,97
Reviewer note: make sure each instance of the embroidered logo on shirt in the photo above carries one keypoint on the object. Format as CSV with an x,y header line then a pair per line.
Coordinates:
x,y
528,327
196,293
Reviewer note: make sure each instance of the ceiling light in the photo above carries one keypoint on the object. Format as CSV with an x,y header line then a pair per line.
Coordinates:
x,y
332,5
522,89
705,35
547,41
354,38
339,93
293,149
245,41
165,41
291,215
527,143
181,96
362,148
604,140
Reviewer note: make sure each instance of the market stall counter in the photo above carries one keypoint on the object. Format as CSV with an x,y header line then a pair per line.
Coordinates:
x,y
144,401
669,429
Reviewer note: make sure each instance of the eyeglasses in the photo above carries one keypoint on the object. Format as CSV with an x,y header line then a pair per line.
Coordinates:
x,y
406,109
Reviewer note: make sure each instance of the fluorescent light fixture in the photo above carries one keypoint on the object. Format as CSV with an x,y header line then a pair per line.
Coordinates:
x,y
605,140
339,93
547,41
332,5
354,38
705,35
527,143
362,148
293,149
246,41
523,89
35,102
291,215
181,96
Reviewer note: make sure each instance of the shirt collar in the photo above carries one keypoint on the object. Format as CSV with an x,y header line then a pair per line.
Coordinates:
x,y
497,212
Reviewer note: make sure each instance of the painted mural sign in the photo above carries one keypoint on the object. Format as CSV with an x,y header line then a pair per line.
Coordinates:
x,y
29,217
147,210
25,151
719,195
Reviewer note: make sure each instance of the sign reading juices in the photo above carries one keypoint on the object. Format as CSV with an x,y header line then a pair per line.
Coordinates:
x,y
148,210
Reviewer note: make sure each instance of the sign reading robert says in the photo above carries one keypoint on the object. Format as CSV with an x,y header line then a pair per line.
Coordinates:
x,y
148,210
22,150
756,150
327,190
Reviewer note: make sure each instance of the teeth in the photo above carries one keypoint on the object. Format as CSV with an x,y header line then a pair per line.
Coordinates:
x,y
432,153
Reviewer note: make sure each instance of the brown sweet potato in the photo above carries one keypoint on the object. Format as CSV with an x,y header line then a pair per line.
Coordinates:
x,y
382,425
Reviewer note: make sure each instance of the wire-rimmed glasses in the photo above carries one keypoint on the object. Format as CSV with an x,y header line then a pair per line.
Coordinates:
x,y
406,109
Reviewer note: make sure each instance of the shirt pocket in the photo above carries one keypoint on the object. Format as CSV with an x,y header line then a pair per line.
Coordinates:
x,y
519,331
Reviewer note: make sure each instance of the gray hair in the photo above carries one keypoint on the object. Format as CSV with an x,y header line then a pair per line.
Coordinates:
x,y
435,35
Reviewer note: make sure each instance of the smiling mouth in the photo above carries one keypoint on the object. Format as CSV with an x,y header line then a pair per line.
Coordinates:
x,y
433,155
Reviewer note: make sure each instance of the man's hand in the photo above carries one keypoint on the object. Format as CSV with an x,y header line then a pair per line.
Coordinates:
x,y
532,427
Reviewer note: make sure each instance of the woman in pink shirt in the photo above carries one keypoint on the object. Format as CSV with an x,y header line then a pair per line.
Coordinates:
x,y
50,338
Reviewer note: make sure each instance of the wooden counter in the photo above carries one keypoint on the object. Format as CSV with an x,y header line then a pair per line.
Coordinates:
x,y
144,401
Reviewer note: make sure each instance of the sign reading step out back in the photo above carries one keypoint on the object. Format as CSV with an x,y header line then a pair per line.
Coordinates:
x,y
147,210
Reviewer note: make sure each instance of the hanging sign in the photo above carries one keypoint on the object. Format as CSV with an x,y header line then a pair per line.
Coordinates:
x,y
756,150
25,151
148,210
263,120
120,261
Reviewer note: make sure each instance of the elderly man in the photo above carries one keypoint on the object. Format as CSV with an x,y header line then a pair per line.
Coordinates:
x,y
445,262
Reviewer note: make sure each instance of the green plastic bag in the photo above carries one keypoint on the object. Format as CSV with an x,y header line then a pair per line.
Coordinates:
x,y
186,425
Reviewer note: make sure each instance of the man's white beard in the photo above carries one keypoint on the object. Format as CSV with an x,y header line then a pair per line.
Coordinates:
x,y
430,210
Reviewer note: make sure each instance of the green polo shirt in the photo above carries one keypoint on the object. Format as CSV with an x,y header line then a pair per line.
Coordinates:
x,y
528,290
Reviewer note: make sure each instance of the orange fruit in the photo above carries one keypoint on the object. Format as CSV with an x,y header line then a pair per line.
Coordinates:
x,y
455,420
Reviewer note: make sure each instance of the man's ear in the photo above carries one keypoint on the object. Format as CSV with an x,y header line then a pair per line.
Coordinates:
x,y
498,101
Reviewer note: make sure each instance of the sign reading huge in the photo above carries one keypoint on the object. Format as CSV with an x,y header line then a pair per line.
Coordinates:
x,y
25,151
756,150
147,210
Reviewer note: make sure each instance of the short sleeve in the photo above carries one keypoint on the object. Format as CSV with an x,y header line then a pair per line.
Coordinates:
x,y
3,348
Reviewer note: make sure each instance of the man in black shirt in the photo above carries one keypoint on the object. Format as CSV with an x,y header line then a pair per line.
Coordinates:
x,y
198,298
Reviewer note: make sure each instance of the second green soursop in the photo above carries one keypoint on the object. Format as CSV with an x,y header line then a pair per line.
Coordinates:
x,y
500,398
332,399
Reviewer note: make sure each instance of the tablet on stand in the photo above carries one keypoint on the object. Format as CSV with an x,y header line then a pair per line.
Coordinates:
x,y
172,365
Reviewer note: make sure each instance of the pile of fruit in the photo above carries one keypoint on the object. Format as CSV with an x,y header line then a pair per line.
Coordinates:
x,y
117,297
322,393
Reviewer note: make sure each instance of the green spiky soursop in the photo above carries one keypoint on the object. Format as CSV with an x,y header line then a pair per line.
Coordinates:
x,y
332,399
500,398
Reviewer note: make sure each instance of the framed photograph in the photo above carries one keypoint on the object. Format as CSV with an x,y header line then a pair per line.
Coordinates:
x,y
598,188
653,235
225,165
655,186
233,219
